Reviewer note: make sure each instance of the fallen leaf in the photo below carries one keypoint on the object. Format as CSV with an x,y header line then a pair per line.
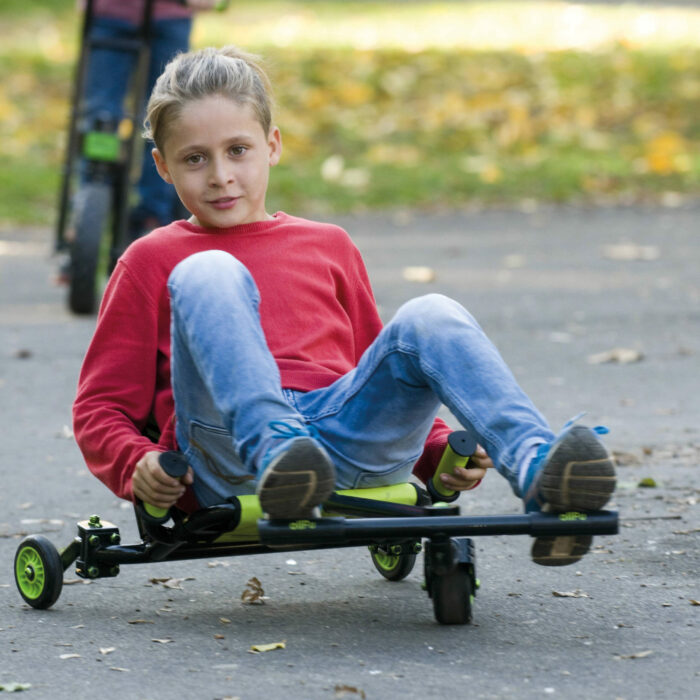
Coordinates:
x,y
15,687
118,668
342,690
514,261
162,641
140,622
259,648
224,620
630,251
622,356
625,459
419,273
637,655
69,656
647,483
107,650
168,582
253,593
694,602
570,594
219,636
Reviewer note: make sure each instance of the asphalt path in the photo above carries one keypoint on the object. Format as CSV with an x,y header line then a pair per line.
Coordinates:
x,y
551,292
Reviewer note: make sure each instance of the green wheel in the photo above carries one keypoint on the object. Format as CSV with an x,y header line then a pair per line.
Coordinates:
x,y
38,572
452,595
393,567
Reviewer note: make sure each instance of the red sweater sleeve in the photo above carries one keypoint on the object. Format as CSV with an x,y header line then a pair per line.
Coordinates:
x,y
117,384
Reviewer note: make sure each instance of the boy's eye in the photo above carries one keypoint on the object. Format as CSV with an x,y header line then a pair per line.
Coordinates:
x,y
238,150
194,159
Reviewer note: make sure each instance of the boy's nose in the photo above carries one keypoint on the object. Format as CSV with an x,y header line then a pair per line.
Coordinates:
x,y
220,173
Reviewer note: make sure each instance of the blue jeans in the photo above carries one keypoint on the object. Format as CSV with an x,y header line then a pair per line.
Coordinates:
x,y
373,421
108,74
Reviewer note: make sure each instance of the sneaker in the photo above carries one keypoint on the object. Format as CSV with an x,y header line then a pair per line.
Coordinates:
x,y
575,472
297,474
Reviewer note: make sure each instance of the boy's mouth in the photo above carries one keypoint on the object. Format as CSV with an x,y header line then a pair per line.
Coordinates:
x,y
223,202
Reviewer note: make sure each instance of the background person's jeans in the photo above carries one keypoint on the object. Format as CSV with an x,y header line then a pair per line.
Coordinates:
x,y
373,421
107,80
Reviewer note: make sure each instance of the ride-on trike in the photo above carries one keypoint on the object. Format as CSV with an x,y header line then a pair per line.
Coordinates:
x,y
395,522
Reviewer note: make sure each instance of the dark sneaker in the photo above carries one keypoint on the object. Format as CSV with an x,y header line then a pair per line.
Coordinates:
x,y
575,472
297,474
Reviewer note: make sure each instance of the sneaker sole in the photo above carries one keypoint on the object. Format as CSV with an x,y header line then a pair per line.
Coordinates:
x,y
560,551
579,475
297,481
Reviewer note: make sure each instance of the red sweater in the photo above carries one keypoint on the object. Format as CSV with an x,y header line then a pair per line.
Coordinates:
x,y
317,311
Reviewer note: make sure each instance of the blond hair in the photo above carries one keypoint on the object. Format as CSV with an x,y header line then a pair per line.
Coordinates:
x,y
226,71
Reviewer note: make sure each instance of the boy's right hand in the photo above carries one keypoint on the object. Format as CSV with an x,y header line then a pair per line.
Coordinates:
x,y
152,485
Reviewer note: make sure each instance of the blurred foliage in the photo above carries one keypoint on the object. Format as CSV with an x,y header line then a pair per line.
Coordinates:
x,y
387,126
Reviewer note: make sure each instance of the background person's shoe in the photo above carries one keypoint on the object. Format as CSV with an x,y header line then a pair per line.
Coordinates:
x,y
297,475
575,472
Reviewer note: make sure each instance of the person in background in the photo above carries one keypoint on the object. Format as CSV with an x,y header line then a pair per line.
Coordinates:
x,y
110,70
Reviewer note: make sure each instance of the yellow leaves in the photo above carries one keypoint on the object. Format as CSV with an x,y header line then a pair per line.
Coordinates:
x,y
395,154
491,174
354,93
484,167
667,153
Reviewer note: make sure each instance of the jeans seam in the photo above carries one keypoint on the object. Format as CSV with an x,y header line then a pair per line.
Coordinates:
x,y
332,410
436,377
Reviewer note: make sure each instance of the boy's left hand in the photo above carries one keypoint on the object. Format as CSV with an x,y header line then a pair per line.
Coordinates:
x,y
465,478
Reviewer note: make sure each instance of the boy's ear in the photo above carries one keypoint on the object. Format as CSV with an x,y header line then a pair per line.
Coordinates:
x,y
274,142
161,166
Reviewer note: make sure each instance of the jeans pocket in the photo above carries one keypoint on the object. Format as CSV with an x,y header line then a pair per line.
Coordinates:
x,y
213,455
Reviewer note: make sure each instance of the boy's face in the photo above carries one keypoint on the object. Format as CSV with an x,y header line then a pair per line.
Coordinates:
x,y
218,157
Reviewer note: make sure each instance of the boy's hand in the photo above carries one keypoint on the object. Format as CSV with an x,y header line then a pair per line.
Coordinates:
x,y
463,479
152,485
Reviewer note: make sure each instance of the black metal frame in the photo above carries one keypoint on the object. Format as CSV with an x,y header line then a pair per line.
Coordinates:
x,y
98,550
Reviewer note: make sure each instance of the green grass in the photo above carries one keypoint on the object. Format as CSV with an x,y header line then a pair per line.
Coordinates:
x,y
413,104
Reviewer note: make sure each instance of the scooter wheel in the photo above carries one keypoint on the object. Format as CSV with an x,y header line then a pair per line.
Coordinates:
x,y
38,572
453,594
92,207
393,567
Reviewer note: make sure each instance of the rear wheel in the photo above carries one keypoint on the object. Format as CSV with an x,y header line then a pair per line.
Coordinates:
x,y
452,595
38,572
92,206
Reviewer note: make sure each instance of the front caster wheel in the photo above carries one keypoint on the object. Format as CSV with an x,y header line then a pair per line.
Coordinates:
x,y
38,572
393,566
452,595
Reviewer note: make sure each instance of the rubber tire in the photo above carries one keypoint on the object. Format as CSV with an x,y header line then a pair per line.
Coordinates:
x,y
93,202
393,567
42,589
452,597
